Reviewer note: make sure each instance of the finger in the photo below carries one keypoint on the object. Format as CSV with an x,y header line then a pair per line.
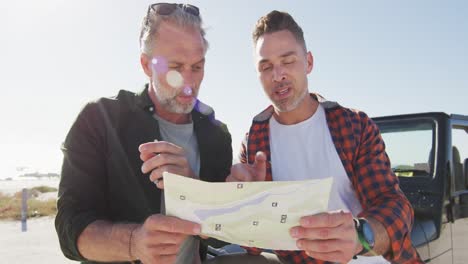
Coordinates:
x,y
260,166
173,225
160,147
231,178
167,259
323,233
156,258
325,246
241,172
158,173
157,178
158,238
327,219
160,184
334,256
144,156
163,159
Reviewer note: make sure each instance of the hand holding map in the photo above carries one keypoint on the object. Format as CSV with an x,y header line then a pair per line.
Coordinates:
x,y
254,214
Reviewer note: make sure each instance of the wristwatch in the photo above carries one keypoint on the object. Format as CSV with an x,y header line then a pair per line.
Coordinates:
x,y
365,235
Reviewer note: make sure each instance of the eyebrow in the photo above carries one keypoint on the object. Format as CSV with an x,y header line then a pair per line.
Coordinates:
x,y
180,63
200,61
286,54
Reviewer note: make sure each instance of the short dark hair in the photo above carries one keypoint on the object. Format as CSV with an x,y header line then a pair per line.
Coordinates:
x,y
276,21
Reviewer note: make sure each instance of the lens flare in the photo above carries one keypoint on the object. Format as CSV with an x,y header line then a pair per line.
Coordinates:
x,y
174,79
188,90
159,64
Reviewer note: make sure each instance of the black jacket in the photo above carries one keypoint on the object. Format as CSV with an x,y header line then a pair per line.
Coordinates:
x,y
101,172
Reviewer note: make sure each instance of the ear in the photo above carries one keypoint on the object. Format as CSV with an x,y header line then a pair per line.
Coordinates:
x,y
310,62
145,65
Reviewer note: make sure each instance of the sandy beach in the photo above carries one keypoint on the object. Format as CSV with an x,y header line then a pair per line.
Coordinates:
x,y
38,244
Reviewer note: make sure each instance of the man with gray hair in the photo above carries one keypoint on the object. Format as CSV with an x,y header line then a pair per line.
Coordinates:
x,y
111,202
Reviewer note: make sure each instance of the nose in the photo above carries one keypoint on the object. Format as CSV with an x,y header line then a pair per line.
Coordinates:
x,y
278,74
188,77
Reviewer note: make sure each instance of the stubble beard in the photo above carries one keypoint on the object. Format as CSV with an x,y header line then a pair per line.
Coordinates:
x,y
290,103
167,98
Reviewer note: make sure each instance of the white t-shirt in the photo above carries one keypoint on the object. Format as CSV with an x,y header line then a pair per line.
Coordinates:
x,y
306,151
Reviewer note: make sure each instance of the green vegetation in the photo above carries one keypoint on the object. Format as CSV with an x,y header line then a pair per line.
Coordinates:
x,y
44,189
10,205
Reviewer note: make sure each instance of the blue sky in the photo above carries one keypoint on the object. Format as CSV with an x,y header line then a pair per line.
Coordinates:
x,y
383,57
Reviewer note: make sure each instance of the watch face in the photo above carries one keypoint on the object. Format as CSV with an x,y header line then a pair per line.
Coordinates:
x,y
368,234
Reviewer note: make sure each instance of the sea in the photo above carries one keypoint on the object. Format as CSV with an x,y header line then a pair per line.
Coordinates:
x,y
12,185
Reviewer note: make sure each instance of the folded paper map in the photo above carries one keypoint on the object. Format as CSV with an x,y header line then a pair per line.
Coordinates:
x,y
254,214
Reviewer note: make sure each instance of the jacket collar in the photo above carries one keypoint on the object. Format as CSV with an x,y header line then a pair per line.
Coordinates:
x,y
268,112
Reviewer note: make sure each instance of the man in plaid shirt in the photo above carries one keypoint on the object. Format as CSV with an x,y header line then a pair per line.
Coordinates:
x,y
303,136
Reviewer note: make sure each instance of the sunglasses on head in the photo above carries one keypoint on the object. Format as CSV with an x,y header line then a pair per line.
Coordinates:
x,y
168,8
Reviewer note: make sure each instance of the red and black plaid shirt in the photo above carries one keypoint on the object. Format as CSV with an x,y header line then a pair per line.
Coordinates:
x,y
362,152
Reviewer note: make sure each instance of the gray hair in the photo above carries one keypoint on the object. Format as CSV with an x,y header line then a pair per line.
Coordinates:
x,y
152,21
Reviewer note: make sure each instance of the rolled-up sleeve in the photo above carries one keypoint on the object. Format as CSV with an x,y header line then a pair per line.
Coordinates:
x,y
82,184
379,192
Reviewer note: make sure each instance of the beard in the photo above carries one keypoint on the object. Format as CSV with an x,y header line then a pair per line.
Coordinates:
x,y
167,97
290,103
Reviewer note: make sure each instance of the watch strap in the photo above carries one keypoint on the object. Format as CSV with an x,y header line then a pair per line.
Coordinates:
x,y
362,240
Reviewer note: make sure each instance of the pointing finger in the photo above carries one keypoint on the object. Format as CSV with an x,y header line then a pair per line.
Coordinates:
x,y
260,166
